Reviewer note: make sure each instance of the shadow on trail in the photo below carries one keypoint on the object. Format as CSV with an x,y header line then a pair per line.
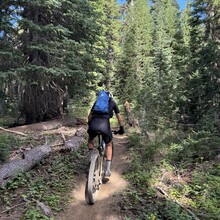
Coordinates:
x,y
105,206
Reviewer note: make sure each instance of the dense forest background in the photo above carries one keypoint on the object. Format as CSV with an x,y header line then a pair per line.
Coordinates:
x,y
163,61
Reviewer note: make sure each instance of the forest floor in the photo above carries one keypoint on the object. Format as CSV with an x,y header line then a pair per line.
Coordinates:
x,y
75,205
106,205
168,178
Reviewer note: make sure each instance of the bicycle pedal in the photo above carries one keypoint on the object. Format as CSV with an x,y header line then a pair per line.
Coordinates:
x,y
105,180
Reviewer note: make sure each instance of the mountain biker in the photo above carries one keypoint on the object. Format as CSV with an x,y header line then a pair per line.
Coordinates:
x,y
101,123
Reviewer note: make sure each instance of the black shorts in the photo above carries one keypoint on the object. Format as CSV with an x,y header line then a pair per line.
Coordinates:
x,y
101,125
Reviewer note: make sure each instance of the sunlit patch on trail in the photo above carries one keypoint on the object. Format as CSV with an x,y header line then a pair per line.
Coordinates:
x,y
114,185
103,209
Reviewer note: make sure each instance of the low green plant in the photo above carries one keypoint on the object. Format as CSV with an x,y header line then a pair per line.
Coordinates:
x,y
180,167
196,147
205,190
48,183
173,211
114,122
6,143
34,213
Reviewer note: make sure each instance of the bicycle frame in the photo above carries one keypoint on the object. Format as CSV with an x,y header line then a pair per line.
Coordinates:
x,y
96,171
101,146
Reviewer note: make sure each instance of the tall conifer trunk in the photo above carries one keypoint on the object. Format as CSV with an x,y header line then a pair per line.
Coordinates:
x,y
42,103
41,98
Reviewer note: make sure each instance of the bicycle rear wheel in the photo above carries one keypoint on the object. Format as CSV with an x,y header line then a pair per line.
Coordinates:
x,y
93,182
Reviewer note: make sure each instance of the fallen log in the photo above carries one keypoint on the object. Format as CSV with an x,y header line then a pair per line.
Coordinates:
x,y
73,144
47,125
33,156
11,169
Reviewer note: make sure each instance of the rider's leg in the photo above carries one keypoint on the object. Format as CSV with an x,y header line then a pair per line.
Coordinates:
x,y
108,158
90,146
109,151
90,143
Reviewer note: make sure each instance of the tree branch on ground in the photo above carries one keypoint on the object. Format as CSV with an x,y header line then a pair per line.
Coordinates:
x,y
14,132
31,157
183,207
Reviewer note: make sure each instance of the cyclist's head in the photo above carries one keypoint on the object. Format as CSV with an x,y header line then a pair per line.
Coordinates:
x,y
110,94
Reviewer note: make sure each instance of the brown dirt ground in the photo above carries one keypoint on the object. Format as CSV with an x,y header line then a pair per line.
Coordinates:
x,y
105,206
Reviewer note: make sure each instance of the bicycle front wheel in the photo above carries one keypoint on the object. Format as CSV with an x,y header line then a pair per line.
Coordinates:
x,y
94,180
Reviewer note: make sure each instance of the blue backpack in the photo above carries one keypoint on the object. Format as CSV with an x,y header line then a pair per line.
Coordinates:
x,y
102,103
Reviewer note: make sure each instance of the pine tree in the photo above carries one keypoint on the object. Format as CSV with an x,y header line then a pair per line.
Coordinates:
x,y
184,64
8,34
163,79
112,50
55,41
108,41
136,49
10,57
204,85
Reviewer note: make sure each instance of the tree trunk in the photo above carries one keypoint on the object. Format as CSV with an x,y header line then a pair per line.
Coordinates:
x,y
132,121
41,103
30,158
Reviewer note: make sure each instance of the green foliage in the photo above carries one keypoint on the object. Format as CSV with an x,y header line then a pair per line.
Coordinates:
x,y
174,80
196,147
49,183
176,173
174,211
7,143
201,90
55,43
134,203
205,188
78,111
160,90
136,50
140,171
34,214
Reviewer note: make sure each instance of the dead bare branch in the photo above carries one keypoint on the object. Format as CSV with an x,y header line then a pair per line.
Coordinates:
x,y
15,132
176,201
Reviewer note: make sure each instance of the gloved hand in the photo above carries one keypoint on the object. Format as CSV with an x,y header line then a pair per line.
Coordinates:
x,y
121,130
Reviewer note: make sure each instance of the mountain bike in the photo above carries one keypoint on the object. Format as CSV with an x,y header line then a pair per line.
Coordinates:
x,y
96,170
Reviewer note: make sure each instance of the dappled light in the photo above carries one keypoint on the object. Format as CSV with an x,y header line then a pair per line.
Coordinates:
x,y
157,64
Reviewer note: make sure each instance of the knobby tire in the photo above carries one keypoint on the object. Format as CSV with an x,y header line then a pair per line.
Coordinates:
x,y
92,185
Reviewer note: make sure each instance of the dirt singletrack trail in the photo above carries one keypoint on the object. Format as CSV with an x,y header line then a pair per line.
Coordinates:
x,y
104,208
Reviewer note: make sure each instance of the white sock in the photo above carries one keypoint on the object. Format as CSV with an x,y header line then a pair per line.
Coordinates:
x,y
108,164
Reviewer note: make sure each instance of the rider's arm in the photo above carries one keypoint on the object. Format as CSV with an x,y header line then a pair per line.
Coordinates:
x,y
117,113
120,120
89,116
